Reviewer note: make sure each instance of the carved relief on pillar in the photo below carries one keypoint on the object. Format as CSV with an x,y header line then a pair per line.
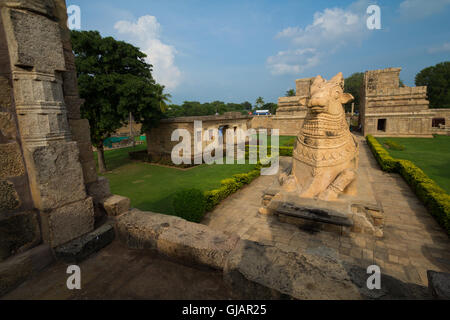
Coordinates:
x,y
40,108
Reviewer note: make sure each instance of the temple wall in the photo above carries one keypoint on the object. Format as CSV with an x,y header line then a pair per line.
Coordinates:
x,y
390,110
159,139
46,157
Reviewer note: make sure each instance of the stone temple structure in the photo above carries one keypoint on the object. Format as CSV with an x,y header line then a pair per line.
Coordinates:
x,y
390,110
159,144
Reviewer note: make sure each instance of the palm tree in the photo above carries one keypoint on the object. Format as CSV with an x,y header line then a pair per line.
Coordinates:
x,y
260,102
290,93
162,98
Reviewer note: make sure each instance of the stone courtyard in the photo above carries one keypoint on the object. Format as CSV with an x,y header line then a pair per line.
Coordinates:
x,y
55,210
412,244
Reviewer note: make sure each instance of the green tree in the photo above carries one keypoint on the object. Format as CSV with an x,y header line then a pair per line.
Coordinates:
x,y
437,80
247,106
353,85
290,93
259,102
114,80
272,107
162,97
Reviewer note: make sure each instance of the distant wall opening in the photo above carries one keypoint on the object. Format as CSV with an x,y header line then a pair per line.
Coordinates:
x,y
381,125
437,122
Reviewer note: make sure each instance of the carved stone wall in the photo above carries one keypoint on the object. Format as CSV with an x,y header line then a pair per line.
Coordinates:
x,y
19,227
159,139
390,110
44,143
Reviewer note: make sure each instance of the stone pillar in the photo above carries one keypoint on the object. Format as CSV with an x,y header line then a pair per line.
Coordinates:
x,y
19,226
43,80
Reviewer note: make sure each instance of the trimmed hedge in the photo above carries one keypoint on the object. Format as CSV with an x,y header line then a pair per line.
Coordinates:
x,y
229,186
189,204
436,199
192,204
383,157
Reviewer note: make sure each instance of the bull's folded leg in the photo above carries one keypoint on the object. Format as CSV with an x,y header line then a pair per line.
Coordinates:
x,y
338,185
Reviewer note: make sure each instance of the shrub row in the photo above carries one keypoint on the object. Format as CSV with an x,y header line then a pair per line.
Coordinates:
x,y
436,199
383,157
188,204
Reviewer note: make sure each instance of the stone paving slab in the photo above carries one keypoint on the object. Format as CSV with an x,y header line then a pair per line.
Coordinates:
x,y
413,242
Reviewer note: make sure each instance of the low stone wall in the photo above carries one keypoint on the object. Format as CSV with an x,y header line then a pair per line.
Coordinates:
x,y
258,271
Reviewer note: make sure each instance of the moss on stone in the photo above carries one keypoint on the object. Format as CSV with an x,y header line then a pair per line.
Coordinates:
x,y
9,199
16,231
11,164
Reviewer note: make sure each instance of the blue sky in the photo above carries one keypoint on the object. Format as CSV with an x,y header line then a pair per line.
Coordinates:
x,y
235,51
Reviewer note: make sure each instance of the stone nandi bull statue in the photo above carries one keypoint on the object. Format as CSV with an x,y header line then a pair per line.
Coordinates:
x,y
325,158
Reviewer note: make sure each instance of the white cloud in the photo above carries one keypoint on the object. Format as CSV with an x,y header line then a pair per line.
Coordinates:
x,y
442,48
419,9
293,61
331,29
146,33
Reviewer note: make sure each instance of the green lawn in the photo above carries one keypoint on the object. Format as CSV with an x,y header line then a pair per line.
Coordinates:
x,y
284,141
152,187
431,155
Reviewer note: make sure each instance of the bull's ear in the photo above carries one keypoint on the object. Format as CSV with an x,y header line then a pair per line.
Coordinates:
x,y
346,98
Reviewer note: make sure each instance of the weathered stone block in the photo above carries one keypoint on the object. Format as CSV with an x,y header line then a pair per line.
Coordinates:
x,y
11,162
115,205
89,171
18,268
70,83
175,237
80,130
5,93
18,232
26,33
57,174
44,7
267,272
8,129
196,243
82,247
86,152
67,223
439,284
73,104
99,189
9,199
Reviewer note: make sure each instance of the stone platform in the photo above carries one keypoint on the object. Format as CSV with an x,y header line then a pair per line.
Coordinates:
x,y
360,213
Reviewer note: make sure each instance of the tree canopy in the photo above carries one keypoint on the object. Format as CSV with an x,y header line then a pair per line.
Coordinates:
x,y
290,93
353,85
437,80
195,108
114,79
